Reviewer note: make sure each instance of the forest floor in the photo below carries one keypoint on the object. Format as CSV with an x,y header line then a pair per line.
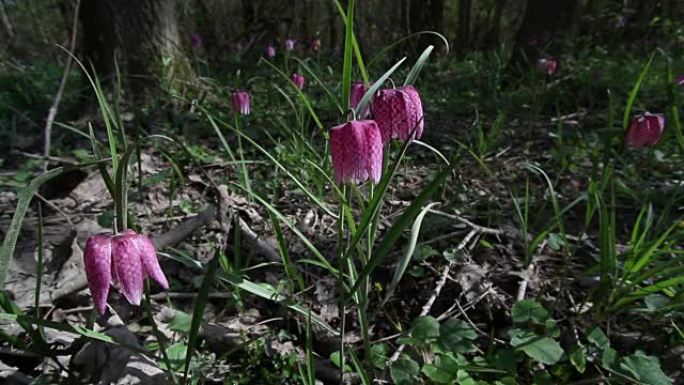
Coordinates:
x,y
517,219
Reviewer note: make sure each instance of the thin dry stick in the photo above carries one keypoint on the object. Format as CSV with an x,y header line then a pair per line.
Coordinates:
x,y
60,91
6,21
438,289
482,229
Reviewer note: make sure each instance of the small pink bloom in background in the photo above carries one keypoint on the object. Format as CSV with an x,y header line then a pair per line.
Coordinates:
x,y
358,89
196,40
645,130
125,260
679,80
298,80
399,112
290,44
547,66
621,21
270,51
356,151
315,44
239,100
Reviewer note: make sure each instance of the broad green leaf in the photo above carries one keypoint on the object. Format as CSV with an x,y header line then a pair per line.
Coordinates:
x,y
444,370
180,322
541,349
598,338
578,358
529,310
404,371
455,336
425,329
645,369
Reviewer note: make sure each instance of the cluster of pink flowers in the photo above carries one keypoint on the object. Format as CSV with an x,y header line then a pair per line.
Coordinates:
x,y
125,260
357,146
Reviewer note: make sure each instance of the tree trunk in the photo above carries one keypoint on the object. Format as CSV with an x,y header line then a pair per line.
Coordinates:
x,y
426,15
142,36
544,19
463,37
6,23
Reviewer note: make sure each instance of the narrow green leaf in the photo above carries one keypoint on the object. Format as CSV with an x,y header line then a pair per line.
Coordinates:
x,y
394,232
23,200
418,67
198,312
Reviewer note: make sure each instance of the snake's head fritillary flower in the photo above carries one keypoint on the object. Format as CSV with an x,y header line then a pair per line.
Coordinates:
x,y
399,113
358,89
239,101
316,44
356,151
645,130
196,40
679,80
298,80
97,257
547,66
271,51
290,44
126,260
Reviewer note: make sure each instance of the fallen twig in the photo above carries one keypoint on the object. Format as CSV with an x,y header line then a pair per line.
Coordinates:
x,y
60,90
438,289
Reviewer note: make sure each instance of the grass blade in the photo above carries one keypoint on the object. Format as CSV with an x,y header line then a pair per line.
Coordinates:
x,y
198,312
23,200
394,232
418,67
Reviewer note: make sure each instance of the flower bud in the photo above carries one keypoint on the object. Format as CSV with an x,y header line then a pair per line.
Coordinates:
x,y
298,80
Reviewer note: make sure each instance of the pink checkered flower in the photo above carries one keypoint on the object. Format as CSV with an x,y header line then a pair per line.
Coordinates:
x,y
271,51
547,66
679,80
125,260
316,44
358,89
298,80
196,40
239,100
290,44
356,151
399,113
645,130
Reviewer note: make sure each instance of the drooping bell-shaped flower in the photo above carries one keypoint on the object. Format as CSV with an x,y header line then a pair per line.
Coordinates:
x,y
679,80
399,113
290,44
239,101
196,40
270,51
298,80
358,89
547,66
645,130
356,151
315,44
126,260
97,257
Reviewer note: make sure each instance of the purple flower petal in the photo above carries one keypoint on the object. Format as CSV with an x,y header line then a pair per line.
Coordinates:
x,y
150,263
128,266
97,259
